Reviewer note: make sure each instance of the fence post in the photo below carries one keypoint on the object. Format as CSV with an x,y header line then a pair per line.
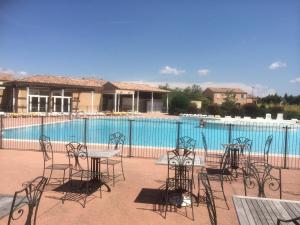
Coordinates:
x,y
229,132
1,131
285,145
85,131
178,123
42,126
130,137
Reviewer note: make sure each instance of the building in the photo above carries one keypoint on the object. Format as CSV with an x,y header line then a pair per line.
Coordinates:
x,y
43,93
120,96
218,95
4,77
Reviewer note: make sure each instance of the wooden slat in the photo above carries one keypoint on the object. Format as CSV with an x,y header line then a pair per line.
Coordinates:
x,y
265,213
242,216
261,211
282,212
253,212
271,212
258,211
296,208
248,213
288,209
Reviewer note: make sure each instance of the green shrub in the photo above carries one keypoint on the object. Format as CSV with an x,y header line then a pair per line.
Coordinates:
x,y
250,109
179,104
213,109
275,110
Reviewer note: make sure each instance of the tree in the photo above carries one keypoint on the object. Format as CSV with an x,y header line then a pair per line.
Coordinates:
x,y
250,109
229,106
194,92
275,110
275,99
213,109
179,103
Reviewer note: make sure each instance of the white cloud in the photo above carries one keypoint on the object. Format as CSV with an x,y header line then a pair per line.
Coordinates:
x,y
258,90
296,80
171,70
12,72
203,72
7,71
277,65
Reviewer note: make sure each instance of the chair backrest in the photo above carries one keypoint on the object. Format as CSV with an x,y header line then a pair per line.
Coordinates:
x,y
116,141
209,197
243,141
26,202
46,148
295,221
259,175
181,163
78,156
225,160
186,143
204,142
267,146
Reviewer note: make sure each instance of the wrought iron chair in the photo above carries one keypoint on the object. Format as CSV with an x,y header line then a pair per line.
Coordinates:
x,y
267,146
207,154
115,142
179,184
209,198
219,174
80,169
295,221
26,202
244,141
258,174
186,143
49,164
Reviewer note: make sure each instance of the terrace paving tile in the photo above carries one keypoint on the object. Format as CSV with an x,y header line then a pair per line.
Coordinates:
x,y
124,205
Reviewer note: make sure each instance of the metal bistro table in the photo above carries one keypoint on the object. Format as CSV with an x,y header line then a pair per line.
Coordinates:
x,y
198,162
6,202
264,211
96,155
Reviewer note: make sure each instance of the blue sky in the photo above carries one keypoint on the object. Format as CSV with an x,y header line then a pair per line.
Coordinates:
x,y
211,43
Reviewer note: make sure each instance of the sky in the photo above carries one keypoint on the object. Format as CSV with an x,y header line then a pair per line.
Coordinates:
x,y
254,45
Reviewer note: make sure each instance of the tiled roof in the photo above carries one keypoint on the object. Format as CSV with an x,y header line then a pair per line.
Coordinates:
x,y
49,80
137,87
5,77
224,90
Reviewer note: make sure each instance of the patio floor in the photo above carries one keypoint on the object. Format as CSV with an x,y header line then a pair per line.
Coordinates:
x,y
125,204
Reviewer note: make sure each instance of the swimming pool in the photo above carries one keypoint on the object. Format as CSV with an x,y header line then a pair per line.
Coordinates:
x,y
160,133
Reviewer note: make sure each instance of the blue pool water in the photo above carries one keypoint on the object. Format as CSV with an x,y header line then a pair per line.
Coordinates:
x,y
160,133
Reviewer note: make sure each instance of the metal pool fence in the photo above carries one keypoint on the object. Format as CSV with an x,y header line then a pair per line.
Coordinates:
x,y
150,138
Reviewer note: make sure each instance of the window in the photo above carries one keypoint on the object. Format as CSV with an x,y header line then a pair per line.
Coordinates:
x,y
38,100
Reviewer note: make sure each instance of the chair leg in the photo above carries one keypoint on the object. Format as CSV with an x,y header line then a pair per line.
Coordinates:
x,y
222,186
166,202
100,189
122,170
107,169
113,175
198,194
50,175
87,192
64,177
193,218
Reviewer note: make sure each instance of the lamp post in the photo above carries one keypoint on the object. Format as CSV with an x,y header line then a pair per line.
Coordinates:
x,y
252,94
